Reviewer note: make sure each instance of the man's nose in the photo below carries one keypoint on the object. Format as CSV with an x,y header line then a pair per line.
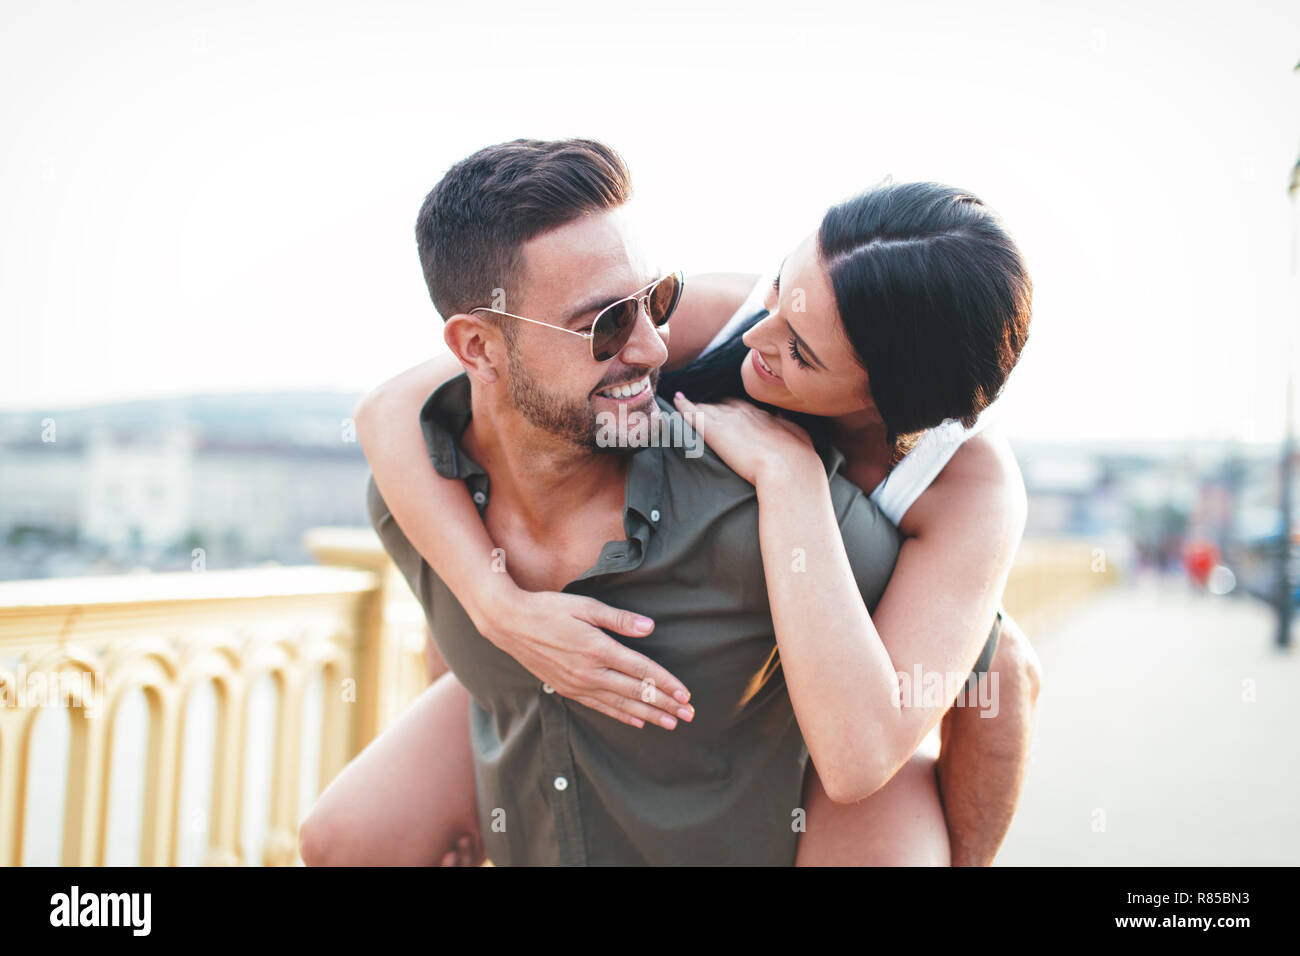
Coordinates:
x,y
647,345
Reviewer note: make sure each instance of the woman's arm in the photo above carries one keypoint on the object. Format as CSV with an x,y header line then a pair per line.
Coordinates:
x,y
555,636
841,664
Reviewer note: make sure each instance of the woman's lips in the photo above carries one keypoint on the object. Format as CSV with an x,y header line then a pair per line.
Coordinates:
x,y
762,370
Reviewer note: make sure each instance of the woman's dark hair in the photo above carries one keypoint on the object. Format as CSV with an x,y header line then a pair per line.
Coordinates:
x,y
933,295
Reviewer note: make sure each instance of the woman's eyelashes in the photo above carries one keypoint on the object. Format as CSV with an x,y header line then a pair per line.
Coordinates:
x,y
794,354
773,296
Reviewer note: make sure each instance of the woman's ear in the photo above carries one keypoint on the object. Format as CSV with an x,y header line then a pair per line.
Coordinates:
x,y
477,344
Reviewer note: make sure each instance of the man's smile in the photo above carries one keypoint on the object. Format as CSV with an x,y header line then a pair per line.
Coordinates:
x,y
628,391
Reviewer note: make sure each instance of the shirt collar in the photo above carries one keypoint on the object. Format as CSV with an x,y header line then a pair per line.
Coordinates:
x,y
832,458
443,420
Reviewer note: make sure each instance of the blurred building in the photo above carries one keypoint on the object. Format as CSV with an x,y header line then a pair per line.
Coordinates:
x,y
143,484
120,490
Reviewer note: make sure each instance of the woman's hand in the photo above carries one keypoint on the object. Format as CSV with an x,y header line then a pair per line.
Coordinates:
x,y
752,442
557,637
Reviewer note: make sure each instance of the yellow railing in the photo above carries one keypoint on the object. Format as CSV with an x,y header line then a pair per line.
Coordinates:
x,y
86,644
1051,576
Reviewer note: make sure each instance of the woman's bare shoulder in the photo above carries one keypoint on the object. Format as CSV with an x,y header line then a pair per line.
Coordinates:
x,y
980,485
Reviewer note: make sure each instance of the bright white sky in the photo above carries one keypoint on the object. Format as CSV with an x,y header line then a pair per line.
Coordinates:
x,y
221,197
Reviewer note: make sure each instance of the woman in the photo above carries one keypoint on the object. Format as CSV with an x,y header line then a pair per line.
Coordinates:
x,y
904,312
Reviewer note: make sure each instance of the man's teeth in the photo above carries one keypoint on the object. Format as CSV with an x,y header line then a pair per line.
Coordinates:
x,y
628,390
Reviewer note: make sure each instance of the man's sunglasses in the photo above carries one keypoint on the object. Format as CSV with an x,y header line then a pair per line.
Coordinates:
x,y
616,322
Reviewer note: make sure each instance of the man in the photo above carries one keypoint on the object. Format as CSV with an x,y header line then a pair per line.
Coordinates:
x,y
664,531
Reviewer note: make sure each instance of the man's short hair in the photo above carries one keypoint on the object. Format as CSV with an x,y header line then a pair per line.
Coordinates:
x,y
473,224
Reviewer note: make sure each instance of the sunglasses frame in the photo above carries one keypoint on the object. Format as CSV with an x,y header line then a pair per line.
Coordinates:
x,y
641,297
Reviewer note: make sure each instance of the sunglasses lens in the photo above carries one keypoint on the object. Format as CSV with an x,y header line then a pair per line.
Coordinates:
x,y
663,298
613,328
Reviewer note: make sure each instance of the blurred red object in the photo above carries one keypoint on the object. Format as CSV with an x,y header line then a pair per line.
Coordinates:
x,y
1200,558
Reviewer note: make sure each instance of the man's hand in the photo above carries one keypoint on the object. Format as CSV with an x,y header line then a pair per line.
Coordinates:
x,y
558,638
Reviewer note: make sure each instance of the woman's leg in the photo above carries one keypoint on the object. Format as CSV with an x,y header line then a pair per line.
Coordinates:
x,y
901,824
983,762
408,797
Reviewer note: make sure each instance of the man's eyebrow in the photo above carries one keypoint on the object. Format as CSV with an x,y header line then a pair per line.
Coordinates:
x,y
596,303
591,305
803,346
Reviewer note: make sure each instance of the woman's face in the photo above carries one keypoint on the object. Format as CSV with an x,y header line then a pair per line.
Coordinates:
x,y
799,357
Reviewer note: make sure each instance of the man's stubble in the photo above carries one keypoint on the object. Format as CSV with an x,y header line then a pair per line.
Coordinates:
x,y
572,420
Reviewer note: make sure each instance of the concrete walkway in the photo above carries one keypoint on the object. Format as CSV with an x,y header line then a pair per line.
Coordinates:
x,y
1149,749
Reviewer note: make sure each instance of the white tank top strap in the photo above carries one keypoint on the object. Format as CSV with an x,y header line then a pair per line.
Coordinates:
x,y
920,466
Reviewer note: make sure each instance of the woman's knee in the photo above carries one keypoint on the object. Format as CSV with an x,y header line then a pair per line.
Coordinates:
x,y
320,840
901,824
407,797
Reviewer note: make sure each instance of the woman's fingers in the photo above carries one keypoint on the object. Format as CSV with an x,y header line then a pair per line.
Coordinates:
x,y
633,700
603,708
466,851
620,622
690,411
639,667
462,854
627,708
635,675
647,692
580,661
651,682
633,707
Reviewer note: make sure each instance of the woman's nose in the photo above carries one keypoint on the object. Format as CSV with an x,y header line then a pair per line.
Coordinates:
x,y
758,333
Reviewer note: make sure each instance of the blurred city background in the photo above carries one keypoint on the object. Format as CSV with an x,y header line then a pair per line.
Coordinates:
x,y
208,258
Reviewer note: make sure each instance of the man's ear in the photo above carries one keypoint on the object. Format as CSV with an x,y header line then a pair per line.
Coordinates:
x,y
477,344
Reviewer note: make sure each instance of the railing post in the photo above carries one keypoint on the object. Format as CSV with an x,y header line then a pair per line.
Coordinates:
x,y
13,779
375,656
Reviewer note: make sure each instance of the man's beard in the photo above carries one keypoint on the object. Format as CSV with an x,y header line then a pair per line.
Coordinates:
x,y
573,420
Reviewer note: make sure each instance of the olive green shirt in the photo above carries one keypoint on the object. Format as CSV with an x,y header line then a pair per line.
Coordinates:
x,y
561,784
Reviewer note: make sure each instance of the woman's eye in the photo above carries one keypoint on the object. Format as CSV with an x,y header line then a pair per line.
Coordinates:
x,y
794,354
773,294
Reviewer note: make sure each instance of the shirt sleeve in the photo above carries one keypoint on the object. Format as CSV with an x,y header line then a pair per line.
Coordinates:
x,y
870,540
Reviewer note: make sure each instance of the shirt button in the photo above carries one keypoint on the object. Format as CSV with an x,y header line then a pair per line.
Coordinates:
x,y
548,688
654,515
561,783
479,497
